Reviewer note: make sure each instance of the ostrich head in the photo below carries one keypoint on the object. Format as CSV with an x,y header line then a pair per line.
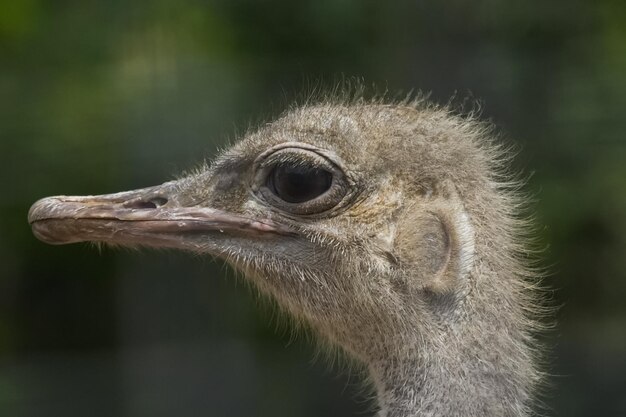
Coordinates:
x,y
388,228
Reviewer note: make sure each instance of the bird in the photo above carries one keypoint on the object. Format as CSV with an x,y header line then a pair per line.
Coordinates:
x,y
394,229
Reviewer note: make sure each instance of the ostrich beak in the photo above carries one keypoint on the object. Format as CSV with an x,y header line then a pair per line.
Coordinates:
x,y
149,216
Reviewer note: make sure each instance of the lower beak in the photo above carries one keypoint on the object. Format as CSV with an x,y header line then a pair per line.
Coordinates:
x,y
150,216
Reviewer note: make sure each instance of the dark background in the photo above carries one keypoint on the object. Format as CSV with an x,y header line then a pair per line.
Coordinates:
x,y
101,96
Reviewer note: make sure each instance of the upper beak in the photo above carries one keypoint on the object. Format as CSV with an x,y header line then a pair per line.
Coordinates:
x,y
149,216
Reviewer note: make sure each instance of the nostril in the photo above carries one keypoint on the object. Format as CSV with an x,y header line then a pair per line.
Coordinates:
x,y
158,201
140,205
144,205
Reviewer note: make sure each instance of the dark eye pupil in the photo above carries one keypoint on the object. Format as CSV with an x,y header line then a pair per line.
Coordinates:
x,y
297,184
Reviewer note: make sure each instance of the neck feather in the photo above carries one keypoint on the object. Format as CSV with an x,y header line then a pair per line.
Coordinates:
x,y
479,363
452,380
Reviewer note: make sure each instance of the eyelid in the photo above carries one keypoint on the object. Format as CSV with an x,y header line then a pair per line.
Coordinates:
x,y
324,154
295,158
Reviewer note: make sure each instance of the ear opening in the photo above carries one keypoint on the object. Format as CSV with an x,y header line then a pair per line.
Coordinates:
x,y
435,241
460,234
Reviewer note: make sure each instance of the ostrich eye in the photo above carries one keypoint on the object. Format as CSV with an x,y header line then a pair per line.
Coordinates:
x,y
301,180
298,183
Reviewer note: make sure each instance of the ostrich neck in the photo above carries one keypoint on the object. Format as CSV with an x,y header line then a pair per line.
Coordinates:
x,y
411,387
476,368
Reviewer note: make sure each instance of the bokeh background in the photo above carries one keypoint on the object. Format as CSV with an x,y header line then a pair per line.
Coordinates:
x,y
101,96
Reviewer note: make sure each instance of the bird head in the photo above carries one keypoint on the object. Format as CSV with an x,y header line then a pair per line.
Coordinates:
x,y
357,218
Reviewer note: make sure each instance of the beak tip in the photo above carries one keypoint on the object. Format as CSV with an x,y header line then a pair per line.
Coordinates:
x,y
41,209
42,217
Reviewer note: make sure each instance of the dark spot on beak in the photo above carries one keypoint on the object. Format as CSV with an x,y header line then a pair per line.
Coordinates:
x,y
152,203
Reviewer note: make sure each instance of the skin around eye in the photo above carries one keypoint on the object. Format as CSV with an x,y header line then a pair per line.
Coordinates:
x,y
297,179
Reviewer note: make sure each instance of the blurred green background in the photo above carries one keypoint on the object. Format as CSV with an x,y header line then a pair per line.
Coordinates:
x,y
101,96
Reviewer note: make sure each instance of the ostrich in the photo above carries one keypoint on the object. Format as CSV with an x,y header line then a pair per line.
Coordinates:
x,y
391,229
